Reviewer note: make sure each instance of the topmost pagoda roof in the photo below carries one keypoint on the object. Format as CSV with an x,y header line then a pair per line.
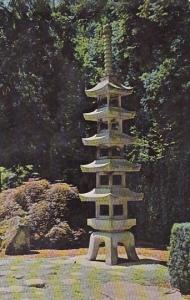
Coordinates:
x,y
107,86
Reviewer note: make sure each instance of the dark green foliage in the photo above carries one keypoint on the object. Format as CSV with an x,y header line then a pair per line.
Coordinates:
x,y
179,263
41,90
151,41
48,54
15,176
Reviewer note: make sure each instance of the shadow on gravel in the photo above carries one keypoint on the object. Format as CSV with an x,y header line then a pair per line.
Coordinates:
x,y
31,252
143,261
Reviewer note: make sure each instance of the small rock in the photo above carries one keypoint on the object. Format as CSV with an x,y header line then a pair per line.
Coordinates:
x,y
38,283
18,276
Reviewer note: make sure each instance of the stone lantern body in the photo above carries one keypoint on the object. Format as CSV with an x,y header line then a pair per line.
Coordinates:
x,y
111,194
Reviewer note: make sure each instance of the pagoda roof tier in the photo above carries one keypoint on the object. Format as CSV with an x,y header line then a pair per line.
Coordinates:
x,y
111,224
110,165
107,112
109,138
109,193
107,86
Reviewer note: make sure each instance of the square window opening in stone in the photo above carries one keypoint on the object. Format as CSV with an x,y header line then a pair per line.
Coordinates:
x,y
114,124
117,179
102,101
102,125
104,152
115,151
114,102
118,209
104,180
104,210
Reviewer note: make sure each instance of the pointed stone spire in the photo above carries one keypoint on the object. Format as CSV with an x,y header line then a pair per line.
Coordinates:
x,y
107,33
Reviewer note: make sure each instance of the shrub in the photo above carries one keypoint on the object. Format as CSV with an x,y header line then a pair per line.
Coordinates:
x,y
8,207
54,213
65,204
59,196
39,221
60,236
81,237
179,262
30,192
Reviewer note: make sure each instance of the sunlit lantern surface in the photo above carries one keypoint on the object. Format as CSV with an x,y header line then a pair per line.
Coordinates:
x,y
111,194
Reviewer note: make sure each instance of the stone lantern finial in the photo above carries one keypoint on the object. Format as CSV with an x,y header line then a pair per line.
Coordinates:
x,y
107,33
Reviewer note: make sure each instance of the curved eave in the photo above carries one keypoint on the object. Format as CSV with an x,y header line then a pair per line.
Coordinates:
x,y
109,139
125,193
106,87
110,165
109,113
93,196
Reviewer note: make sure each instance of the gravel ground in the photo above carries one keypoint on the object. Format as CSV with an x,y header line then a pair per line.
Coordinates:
x,y
73,277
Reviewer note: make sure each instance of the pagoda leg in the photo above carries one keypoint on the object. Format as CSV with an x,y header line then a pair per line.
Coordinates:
x,y
94,245
111,242
129,244
111,250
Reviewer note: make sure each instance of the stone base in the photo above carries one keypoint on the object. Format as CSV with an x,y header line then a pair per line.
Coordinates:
x,y
111,240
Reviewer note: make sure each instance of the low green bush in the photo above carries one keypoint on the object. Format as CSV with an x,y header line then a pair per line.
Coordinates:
x,y
179,262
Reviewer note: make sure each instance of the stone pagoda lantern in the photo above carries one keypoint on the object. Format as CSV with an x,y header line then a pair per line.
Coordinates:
x,y
111,195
